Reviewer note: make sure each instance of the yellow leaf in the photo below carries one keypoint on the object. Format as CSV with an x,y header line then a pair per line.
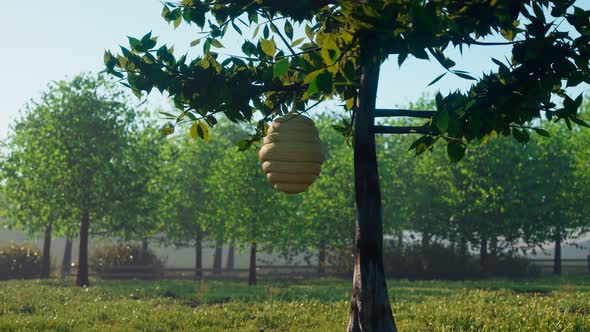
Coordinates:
x,y
202,131
349,103
508,34
177,21
122,62
193,131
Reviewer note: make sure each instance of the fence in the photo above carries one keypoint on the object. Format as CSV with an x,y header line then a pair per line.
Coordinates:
x,y
156,272
568,266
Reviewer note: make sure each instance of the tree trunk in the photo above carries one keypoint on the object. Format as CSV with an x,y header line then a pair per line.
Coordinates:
x,y
66,262
46,259
230,255
483,254
425,242
557,255
217,257
494,246
400,239
322,258
463,247
82,278
252,272
369,309
198,256
144,249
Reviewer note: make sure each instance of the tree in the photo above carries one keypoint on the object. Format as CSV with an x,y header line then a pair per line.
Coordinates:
x,y
346,41
255,218
326,213
31,191
141,213
184,175
80,164
553,191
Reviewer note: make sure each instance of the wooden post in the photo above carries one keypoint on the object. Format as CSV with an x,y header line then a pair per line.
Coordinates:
x,y
370,309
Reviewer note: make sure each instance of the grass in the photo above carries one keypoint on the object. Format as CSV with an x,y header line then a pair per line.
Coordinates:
x,y
544,304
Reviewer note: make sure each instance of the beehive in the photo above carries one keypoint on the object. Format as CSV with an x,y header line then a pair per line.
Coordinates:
x,y
292,153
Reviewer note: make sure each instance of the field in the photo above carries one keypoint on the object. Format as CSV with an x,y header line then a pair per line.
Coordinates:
x,y
544,304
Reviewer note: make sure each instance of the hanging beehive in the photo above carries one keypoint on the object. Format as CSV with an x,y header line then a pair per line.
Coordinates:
x,y
292,153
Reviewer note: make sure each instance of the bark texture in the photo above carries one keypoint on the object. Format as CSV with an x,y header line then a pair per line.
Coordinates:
x,y
483,255
252,271
198,256
370,309
46,258
322,257
231,251
217,257
557,256
66,262
82,277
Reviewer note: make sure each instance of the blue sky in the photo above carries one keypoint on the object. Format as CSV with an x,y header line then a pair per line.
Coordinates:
x,y
44,41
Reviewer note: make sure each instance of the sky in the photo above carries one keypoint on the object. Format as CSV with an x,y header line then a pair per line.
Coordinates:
x,y
44,41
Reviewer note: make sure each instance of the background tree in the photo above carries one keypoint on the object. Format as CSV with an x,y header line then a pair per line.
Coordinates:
x,y
185,174
85,126
251,219
553,192
32,185
326,215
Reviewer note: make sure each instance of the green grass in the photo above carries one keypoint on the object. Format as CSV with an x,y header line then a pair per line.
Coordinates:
x,y
545,304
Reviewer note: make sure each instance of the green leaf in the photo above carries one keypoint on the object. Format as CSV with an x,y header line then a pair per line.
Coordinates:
x,y
134,42
297,42
238,30
244,144
422,144
455,151
309,32
321,83
420,54
442,121
289,29
168,115
281,68
437,79
148,42
268,46
579,122
542,132
464,75
520,135
216,43
167,130
195,42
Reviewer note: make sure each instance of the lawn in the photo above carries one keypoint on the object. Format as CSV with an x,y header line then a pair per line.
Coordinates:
x,y
544,304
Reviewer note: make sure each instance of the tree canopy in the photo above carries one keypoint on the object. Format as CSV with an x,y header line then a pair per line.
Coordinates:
x,y
550,51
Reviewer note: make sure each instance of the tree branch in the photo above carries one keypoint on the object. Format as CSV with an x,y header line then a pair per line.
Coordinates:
x,y
383,113
399,130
